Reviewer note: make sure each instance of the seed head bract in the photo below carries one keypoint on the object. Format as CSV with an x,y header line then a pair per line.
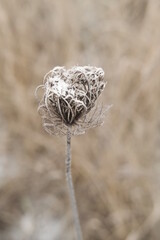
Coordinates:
x,y
69,99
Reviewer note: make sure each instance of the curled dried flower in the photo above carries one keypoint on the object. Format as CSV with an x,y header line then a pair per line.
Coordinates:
x,y
69,99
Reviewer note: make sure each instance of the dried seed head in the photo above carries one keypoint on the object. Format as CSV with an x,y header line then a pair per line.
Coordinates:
x,y
69,99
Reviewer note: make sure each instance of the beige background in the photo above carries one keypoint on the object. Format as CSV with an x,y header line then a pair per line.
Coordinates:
x,y
116,167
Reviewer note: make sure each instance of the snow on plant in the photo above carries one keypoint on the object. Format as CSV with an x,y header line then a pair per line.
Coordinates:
x,y
69,96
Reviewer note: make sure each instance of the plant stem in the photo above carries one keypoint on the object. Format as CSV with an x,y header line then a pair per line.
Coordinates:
x,y
71,188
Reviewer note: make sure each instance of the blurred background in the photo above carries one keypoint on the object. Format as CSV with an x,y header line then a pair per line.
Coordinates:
x,y
116,168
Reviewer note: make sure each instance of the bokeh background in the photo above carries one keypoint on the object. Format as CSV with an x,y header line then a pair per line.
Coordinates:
x,y
116,168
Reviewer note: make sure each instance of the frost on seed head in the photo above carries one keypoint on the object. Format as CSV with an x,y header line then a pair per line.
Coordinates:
x,y
69,99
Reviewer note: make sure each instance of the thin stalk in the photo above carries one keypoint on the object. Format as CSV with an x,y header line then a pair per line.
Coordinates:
x,y
71,188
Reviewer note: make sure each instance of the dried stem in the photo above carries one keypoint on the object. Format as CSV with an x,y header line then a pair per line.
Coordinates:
x,y
71,188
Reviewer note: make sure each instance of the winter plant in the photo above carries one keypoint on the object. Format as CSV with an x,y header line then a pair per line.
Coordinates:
x,y
68,107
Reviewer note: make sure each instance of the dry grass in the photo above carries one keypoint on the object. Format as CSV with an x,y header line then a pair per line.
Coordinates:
x,y
115,167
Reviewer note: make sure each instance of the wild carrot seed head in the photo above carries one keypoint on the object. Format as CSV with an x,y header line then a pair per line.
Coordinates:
x,y
69,96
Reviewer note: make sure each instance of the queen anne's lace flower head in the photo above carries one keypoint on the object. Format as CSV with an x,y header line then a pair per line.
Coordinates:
x,y
69,99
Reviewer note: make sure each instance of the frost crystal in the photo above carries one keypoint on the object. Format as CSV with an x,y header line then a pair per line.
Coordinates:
x,y
69,99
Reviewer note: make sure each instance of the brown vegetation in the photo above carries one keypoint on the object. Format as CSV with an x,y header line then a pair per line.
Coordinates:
x,y
115,167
